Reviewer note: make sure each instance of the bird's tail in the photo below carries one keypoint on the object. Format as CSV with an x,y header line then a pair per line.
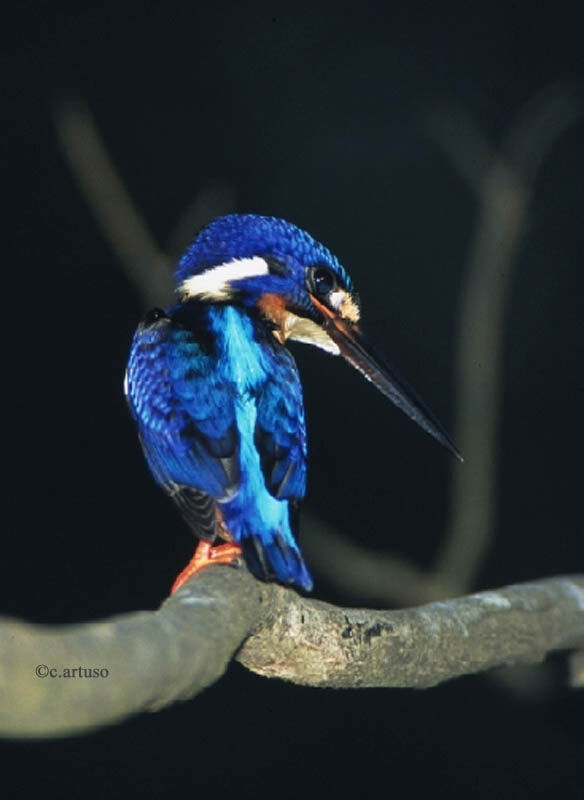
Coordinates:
x,y
273,557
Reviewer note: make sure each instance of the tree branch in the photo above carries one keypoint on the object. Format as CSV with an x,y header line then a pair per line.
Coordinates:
x,y
317,644
156,658
152,658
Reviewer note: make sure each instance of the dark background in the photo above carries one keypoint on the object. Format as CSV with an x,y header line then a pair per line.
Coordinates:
x,y
319,116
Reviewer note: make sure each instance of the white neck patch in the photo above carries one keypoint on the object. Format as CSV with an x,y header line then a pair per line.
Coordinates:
x,y
215,283
301,329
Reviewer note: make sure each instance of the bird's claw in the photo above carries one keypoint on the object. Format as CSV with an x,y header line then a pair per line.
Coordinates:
x,y
205,556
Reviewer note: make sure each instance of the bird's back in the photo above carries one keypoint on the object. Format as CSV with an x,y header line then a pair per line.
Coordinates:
x,y
219,408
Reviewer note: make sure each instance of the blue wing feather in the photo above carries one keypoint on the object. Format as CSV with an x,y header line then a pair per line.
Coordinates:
x,y
185,416
280,432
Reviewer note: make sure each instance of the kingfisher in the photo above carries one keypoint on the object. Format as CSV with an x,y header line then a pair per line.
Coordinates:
x,y
216,395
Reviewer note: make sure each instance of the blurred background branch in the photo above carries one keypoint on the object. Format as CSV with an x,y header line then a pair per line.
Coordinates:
x,y
144,263
147,267
503,181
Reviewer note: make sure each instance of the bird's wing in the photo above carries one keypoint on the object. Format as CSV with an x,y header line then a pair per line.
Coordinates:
x,y
186,419
280,430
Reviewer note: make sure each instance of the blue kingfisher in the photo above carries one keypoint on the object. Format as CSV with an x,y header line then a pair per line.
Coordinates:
x,y
216,395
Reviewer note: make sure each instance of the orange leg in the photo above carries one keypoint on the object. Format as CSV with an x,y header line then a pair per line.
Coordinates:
x,y
206,555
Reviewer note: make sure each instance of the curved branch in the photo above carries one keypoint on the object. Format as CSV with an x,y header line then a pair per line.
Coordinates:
x,y
152,658
156,658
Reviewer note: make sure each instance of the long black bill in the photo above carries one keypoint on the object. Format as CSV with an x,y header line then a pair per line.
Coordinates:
x,y
359,353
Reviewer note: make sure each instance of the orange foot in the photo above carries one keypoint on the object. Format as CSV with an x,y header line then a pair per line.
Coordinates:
x,y
206,555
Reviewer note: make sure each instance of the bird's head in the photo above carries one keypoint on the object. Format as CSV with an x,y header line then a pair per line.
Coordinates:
x,y
298,286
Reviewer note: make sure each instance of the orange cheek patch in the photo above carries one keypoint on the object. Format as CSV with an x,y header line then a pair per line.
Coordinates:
x,y
272,306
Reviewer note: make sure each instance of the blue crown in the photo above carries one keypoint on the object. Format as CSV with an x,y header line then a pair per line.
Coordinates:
x,y
247,235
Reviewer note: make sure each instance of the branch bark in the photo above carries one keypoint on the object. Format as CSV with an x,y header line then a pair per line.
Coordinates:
x,y
156,658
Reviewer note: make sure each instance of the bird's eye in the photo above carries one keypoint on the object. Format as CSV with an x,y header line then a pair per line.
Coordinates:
x,y
323,281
